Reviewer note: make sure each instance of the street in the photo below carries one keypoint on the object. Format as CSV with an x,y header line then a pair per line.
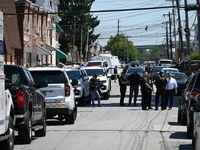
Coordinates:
x,y
112,127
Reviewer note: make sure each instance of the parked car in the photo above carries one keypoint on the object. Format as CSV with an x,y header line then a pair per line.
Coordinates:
x,y
181,79
183,100
169,70
82,89
100,63
155,71
131,69
196,117
29,102
59,94
134,63
104,80
193,92
123,64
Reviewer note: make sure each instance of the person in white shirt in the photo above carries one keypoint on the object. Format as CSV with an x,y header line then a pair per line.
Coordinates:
x,y
170,90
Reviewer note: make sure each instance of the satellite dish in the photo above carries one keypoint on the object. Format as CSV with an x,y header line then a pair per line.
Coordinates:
x,y
27,38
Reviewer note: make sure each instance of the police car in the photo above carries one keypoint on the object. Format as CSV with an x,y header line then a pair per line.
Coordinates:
x,y
59,94
103,78
82,89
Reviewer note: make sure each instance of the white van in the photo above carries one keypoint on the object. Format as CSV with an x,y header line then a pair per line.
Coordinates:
x,y
6,104
165,62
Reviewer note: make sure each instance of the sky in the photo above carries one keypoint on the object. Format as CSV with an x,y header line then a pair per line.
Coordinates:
x,y
132,23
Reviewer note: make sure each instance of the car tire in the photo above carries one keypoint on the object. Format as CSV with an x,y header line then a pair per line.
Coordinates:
x,y
81,101
106,96
70,119
183,118
25,133
8,144
42,132
189,131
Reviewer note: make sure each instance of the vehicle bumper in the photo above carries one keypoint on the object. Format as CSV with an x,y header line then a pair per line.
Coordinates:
x,y
57,111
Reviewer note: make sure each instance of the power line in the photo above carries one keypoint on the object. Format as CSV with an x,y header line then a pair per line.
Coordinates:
x,y
96,11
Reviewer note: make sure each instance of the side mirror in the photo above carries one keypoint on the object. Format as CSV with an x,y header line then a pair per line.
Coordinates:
x,y
42,84
15,80
86,78
74,82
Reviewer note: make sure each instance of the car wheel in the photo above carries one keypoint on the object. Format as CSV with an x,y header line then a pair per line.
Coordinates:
x,y
189,131
25,133
70,119
8,144
106,96
183,118
81,101
42,132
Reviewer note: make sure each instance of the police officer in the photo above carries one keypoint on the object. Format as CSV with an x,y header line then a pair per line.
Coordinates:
x,y
123,81
160,83
145,87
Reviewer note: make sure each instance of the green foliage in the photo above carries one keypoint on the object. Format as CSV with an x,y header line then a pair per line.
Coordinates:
x,y
151,55
195,56
121,47
73,22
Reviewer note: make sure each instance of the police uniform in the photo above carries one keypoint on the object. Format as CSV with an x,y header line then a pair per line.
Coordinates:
x,y
160,83
122,84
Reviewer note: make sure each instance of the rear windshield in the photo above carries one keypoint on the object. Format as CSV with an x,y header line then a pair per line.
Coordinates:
x,y
91,72
94,64
139,70
158,69
49,76
73,74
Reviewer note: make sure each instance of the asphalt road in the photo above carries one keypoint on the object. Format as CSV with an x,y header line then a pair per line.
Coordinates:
x,y
112,127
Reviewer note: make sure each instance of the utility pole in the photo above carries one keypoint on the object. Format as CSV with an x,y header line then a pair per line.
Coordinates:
x,y
170,36
167,40
86,49
81,45
198,17
179,30
118,28
73,45
187,30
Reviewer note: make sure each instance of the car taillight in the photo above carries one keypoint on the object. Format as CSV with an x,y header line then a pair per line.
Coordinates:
x,y
193,95
67,90
20,99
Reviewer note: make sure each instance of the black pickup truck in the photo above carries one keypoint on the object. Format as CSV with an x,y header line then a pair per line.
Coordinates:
x,y
29,102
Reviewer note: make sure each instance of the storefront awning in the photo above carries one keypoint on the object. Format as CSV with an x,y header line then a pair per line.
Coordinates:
x,y
59,29
60,54
42,51
50,48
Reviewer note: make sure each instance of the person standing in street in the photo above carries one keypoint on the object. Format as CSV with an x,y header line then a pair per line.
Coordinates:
x,y
160,83
148,68
149,91
134,80
94,86
115,73
123,81
170,90
145,87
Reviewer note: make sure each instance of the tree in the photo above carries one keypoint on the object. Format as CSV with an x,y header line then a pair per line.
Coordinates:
x,y
121,47
194,56
72,24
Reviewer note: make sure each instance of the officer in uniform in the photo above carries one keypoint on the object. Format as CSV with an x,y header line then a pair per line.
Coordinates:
x,y
160,83
123,81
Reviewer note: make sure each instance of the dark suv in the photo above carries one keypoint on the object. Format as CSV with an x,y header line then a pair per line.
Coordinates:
x,y
194,90
29,102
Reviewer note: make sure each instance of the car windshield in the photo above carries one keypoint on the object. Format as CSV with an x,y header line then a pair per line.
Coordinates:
x,y
158,69
165,62
49,76
73,74
180,77
168,71
92,72
94,64
139,70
